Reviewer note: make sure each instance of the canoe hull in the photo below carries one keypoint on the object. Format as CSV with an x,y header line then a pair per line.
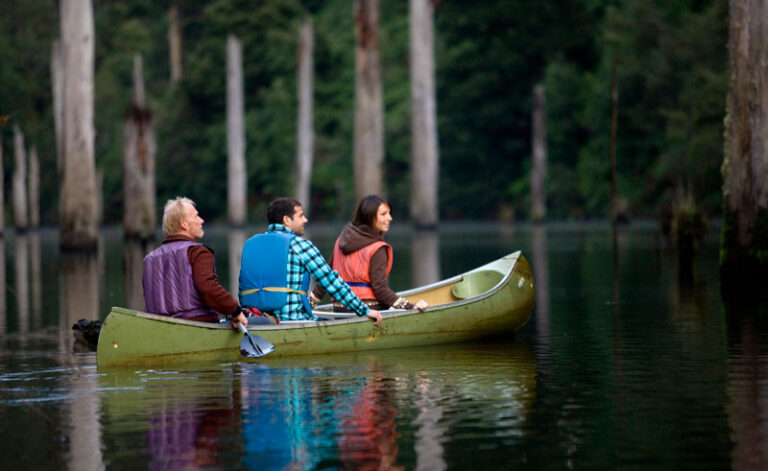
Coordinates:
x,y
133,337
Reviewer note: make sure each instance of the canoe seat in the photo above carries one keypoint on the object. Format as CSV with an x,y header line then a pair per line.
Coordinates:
x,y
473,284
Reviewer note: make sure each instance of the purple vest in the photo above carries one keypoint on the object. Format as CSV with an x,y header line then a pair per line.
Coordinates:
x,y
168,285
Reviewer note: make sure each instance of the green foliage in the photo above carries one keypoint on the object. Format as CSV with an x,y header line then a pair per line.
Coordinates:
x,y
672,81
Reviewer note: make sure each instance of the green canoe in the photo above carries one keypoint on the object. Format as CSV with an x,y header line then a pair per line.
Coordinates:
x,y
486,301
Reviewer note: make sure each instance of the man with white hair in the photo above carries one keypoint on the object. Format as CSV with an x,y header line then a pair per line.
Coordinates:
x,y
180,276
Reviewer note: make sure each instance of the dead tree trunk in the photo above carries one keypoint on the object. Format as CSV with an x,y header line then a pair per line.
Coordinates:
x,y
34,188
78,198
236,173
57,85
539,156
743,263
175,42
2,188
139,149
19,182
305,137
369,107
424,149
618,206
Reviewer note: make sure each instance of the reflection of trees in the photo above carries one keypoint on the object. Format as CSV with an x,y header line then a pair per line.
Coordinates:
x,y
3,299
79,292
36,277
541,279
133,269
21,271
747,389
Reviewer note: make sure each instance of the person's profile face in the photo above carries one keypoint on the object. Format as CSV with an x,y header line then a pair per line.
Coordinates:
x,y
193,223
383,218
297,222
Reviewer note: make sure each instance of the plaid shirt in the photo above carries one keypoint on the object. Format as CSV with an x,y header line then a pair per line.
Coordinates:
x,y
303,256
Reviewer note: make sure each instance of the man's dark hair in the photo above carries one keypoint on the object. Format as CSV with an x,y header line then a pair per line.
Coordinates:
x,y
365,215
281,207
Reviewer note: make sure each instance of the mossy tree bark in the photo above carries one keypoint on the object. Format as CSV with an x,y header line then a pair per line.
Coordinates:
x,y
744,238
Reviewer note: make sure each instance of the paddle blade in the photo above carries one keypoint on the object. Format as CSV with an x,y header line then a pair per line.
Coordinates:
x,y
253,346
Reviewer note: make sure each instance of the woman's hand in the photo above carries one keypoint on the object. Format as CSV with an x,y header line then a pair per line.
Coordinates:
x,y
421,305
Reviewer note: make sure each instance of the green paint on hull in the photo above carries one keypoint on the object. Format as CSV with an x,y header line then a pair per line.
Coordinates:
x,y
490,300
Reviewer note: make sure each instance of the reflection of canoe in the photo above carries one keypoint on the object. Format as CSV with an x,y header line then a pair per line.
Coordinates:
x,y
489,300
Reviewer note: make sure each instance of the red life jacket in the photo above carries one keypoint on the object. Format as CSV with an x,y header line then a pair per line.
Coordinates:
x,y
355,267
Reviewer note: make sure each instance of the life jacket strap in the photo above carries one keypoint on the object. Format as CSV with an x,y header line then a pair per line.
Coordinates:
x,y
274,290
358,285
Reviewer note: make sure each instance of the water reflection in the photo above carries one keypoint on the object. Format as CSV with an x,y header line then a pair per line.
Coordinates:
x,y
425,257
78,292
133,269
236,240
36,277
540,267
21,272
345,411
3,298
747,389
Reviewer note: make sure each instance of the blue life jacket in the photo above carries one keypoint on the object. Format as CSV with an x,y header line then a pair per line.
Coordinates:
x,y
264,273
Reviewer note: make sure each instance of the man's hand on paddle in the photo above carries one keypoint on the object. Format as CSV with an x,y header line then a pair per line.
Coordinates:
x,y
240,317
375,316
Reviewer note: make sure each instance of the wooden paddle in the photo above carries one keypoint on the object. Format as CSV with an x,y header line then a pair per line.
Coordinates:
x,y
253,346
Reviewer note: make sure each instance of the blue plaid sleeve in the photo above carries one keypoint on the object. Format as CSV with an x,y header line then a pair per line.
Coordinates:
x,y
326,277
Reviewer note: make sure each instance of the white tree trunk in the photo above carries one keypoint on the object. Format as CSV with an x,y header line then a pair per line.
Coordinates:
x,y
424,149
139,150
19,185
175,42
2,187
305,138
57,85
34,189
78,197
237,187
369,107
539,155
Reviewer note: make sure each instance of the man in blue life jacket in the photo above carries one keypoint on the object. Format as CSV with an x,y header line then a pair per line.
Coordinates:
x,y
276,267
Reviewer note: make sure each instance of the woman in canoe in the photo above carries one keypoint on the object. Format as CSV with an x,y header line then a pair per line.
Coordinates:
x,y
364,259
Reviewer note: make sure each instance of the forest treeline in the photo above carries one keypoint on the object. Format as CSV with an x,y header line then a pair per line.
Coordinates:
x,y
671,74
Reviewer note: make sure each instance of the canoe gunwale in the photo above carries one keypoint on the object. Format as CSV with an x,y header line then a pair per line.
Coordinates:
x,y
513,259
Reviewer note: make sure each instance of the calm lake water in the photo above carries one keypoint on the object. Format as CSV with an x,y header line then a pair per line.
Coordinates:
x,y
623,366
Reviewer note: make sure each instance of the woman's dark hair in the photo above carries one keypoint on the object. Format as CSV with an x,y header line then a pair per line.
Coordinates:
x,y
365,215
